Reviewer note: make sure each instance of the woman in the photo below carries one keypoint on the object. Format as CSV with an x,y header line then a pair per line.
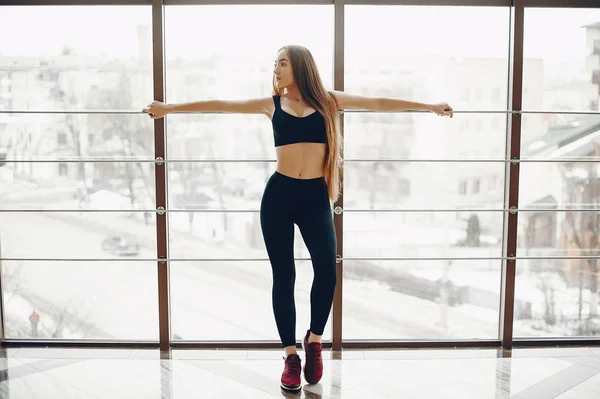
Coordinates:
x,y
305,120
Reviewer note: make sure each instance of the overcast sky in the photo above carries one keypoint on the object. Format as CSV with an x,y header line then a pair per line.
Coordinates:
x,y
553,34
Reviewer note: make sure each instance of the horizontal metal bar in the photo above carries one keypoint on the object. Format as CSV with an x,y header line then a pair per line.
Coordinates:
x,y
79,112
478,3
349,160
250,345
364,345
153,260
74,2
395,160
556,341
533,160
557,160
421,210
562,3
354,111
420,344
244,2
82,343
78,211
474,3
298,259
88,160
433,210
558,210
515,112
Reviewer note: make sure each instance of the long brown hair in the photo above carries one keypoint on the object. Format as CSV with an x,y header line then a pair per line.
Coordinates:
x,y
314,94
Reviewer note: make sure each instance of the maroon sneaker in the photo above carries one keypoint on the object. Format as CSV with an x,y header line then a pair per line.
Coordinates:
x,y
313,369
290,379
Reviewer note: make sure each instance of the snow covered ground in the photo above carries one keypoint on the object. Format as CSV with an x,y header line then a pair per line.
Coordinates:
x,y
210,300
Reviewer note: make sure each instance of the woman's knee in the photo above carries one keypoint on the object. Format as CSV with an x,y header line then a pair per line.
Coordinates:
x,y
284,279
325,271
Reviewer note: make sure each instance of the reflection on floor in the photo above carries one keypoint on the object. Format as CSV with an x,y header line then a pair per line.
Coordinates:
x,y
564,373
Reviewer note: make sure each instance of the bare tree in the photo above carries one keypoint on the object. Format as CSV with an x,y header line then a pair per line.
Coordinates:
x,y
582,231
188,176
121,135
69,316
54,318
12,280
63,92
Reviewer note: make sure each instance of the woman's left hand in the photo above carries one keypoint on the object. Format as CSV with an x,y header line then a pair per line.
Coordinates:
x,y
442,109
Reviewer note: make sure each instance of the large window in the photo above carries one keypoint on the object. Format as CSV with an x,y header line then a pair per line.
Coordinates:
x,y
424,201
214,165
393,51
560,187
76,186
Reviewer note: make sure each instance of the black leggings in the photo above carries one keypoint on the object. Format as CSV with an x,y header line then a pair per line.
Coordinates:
x,y
304,202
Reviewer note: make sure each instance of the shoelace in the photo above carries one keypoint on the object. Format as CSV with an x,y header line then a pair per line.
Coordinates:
x,y
292,366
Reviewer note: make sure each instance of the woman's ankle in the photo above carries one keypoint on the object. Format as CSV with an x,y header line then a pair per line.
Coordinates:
x,y
290,350
312,337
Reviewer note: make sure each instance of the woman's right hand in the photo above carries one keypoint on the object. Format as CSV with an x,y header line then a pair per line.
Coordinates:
x,y
156,109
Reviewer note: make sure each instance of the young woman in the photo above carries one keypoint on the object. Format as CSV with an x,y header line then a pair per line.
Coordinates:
x,y
305,120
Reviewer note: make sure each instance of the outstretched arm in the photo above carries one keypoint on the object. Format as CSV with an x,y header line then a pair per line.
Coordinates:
x,y
351,101
157,109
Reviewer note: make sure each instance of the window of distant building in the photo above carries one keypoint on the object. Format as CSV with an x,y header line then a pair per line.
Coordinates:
x,y
476,187
63,169
496,96
462,188
404,187
492,181
61,138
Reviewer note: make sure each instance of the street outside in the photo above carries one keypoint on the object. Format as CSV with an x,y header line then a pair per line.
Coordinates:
x,y
210,299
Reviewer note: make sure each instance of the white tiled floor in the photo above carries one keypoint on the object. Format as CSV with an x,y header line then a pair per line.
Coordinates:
x,y
569,373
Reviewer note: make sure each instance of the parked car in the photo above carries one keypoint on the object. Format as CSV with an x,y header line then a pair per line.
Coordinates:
x,y
121,245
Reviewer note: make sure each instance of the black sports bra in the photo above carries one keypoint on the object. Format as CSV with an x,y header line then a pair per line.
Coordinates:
x,y
290,129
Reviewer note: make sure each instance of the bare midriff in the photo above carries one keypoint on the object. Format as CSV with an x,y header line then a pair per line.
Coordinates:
x,y
301,160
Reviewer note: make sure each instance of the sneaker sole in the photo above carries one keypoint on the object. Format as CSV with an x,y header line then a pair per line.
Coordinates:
x,y
304,369
291,388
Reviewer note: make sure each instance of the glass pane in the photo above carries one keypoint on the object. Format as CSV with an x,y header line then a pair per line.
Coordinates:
x,y
557,136
422,299
548,233
218,185
560,64
76,136
240,305
391,51
74,235
218,235
75,63
552,185
77,185
241,65
80,300
561,296
423,234
418,136
220,136
423,185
